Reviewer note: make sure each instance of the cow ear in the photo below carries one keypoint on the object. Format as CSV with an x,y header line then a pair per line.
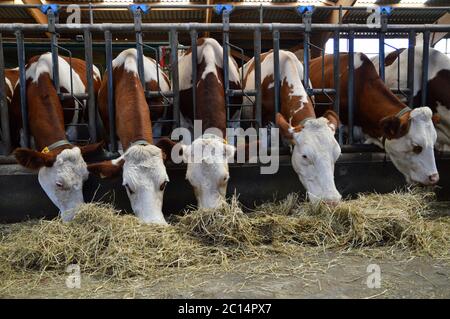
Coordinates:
x,y
286,129
106,169
436,118
91,148
166,145
33,159
333,119
394,127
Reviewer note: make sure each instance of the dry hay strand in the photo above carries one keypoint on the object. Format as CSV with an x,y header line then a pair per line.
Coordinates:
x,y
399,219
107,244
104,243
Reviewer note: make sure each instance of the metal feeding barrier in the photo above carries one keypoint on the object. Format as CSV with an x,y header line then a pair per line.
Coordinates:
x,y
172,98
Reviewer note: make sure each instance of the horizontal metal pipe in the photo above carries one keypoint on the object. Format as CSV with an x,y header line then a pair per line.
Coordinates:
x,y
129,27
242,93
235,7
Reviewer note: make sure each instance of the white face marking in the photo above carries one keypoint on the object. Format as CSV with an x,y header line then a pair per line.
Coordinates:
x,y
313,158
10,87
63,182
144,178
416,167
128,58
211,52
291,70
207,169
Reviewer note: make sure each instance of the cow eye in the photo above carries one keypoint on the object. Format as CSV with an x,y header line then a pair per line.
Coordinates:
x,y
163,186
59,185
417,149
304,156
129,189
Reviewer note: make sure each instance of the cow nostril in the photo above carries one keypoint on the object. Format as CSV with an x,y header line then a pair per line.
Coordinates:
x,y
434,178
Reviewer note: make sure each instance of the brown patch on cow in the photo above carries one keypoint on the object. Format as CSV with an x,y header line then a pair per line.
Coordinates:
x,y
395,127
373,100
133,120
106,169
391,57
285,128
438,92
13,76
436,119
45,110
34,160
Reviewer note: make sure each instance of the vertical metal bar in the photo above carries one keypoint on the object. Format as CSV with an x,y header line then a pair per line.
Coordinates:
x,y
54,48
351,84
90,86
276,69
226,50
425,62
194,36
337,78
306,61
110,84
174,71
4,112
410,76
139,46
381,39
23,87
257,62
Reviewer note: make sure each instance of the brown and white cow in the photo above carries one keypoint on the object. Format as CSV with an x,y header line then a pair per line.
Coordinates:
x,y
11,79
208,155
62,169
407,135
438,94
315,148
141,165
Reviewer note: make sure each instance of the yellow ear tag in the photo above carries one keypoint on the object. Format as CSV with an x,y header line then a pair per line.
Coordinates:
x,y
45,150
225,141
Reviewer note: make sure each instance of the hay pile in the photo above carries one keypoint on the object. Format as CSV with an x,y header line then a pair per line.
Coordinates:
x,y
105,243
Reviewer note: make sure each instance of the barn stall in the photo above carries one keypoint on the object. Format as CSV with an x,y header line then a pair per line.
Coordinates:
x,y
161,30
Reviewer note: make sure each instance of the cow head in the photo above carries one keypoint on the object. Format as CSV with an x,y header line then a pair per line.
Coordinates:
x,y
144,177
409,142
314,154
61,175
207,168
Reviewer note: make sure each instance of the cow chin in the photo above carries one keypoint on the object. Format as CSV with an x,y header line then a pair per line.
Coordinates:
x,y
210,199
147,207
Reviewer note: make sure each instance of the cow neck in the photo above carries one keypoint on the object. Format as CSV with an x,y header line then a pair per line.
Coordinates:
x,y
45,112
133,121
291,111
374,100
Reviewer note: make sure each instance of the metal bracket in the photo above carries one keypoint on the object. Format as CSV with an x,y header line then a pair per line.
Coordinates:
x,y
306,13
143,7
384,13
304,9
219,8
49,7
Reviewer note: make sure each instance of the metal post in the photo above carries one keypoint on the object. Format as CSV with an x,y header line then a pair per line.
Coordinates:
x,y
139,47
257,62
381,39
90,86
4,114
226,49
194,36
337,78
54,47
23,87
351,84
425,65
276,69
410,76
307,20
174,71
110,83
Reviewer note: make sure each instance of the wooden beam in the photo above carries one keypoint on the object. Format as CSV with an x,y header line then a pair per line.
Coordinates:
x,y
208,17
437,36
37,15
